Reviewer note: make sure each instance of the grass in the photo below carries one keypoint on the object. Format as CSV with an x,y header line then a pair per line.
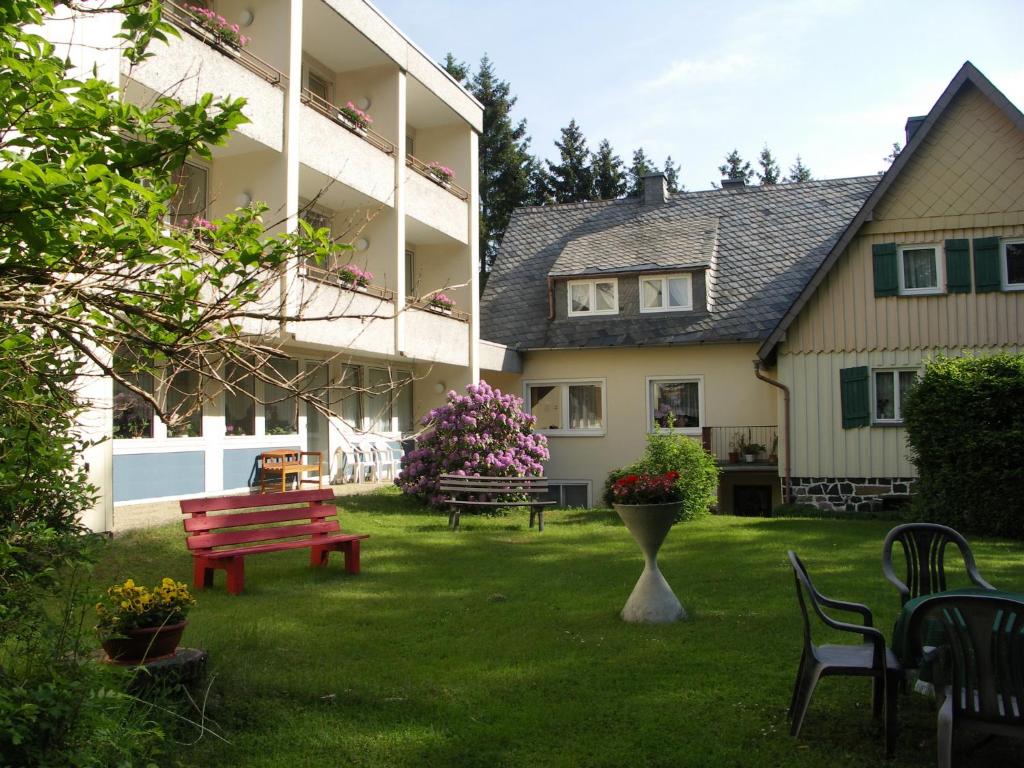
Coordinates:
x,y
499,646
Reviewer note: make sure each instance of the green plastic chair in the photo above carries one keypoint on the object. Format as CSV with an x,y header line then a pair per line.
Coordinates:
x,y
979,671
871,658
924,550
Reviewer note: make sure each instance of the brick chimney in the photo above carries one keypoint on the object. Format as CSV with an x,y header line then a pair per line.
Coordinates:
x,y
654,189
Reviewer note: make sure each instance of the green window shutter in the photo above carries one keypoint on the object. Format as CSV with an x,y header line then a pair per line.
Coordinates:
x,y
886,272
958,266
987,277
855,395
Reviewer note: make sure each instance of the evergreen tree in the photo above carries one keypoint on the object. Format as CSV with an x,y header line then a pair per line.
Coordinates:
x,y
505,163
672,176
572,179
541,190
642,166
799,172
891,157
769,173
734,167
609,176
457,69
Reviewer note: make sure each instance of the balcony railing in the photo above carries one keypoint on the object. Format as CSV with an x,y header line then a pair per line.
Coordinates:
x,y
331,112
423,169
425,305
725,443
331,277
184,19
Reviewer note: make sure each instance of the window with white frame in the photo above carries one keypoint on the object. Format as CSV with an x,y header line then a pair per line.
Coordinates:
x,y
190,197
571,408
134,417
920,269
280,405
675,403
1013,264
316,216
593,297
666,293
239,401
376,399
890,389
410,273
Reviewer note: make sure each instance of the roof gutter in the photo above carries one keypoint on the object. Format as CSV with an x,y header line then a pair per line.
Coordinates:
x,y
788,488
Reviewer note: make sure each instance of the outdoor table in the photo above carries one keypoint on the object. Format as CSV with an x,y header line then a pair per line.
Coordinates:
x,y
912,651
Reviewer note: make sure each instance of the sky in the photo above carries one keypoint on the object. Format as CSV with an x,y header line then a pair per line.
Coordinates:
x,y
830,80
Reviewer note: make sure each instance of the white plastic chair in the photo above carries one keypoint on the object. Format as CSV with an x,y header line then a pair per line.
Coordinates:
x,y
386,459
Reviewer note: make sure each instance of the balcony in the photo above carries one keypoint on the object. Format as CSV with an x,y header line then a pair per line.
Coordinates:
x,y
339,149
360,319
198,63
437,336
442,206
726,443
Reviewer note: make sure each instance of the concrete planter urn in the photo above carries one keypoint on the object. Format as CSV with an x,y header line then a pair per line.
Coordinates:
x,y
652,600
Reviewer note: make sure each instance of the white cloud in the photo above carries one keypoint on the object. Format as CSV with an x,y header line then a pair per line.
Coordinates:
x,y
712,70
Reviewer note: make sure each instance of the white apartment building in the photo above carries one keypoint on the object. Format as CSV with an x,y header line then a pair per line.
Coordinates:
x,y
416,233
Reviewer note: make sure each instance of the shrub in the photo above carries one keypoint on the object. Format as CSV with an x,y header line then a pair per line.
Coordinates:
x,y
672,452
965,425
483,433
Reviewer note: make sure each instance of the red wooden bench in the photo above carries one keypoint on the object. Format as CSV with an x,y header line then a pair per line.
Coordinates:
x,y
263,530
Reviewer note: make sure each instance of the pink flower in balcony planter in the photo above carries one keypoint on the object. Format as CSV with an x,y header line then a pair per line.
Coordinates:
x,y
354,276
224,31
440,172
356,116
442,301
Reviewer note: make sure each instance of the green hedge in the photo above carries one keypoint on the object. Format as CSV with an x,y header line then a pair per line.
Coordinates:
x,y
965,426
698,471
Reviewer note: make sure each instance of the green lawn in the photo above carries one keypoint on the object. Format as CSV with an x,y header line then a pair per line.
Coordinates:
x,y
499,646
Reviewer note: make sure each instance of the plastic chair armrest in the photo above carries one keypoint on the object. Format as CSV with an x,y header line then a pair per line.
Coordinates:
x,y
978,580
843,605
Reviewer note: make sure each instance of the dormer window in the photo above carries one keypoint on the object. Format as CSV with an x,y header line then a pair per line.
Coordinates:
x,y
666,293
593,297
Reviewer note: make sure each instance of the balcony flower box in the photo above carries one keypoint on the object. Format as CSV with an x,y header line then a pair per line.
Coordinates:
x,y
441,174
225,36
355,119
441,303
353,277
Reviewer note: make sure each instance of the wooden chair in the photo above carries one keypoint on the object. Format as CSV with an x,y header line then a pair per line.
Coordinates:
x,y
870,658
979,669
924,550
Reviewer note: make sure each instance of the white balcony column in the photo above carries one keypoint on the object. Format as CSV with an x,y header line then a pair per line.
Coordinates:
x,y
474,255
293,105
400,245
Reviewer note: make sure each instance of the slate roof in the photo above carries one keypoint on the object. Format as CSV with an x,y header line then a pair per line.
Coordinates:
x,y
770,240
640,244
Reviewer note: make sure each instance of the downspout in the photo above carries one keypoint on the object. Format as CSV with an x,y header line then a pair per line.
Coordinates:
x,y
785,427
551,298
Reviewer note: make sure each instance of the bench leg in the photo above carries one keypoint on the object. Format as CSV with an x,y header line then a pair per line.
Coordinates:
x,y
540,519
236,575
202,573
319,556
351,549
453,517
533,512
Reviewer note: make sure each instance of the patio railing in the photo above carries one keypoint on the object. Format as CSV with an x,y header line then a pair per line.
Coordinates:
x,y
331,112
184,19
423,169
721,441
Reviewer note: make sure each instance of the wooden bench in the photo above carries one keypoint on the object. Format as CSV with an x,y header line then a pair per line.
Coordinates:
x,y
214,547
275,466
533,488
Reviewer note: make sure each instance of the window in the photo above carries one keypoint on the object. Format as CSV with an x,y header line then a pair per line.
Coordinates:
x,y
675,404
920,269
318,86
351,410
189,200
183,400
666,293
239,402
410,141
569,408
593,297
890,389
410,273
1013,265
281,407
314,215
569,493
133,415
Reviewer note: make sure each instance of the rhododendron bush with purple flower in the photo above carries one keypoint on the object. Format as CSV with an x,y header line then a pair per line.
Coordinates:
x,y
483,433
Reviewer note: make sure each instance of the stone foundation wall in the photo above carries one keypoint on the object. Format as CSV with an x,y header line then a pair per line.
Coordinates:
x,y
851,494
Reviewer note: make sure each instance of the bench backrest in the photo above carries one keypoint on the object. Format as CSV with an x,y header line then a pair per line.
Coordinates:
x,y
498,486
207,532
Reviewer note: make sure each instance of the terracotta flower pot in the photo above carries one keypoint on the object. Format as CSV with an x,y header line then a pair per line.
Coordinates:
x,y
138,646
652,600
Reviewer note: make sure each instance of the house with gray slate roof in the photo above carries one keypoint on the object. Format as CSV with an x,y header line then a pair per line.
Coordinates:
x,y
729,313
631,314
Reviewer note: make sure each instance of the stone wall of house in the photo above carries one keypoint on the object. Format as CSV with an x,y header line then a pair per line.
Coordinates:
x,y
852,494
